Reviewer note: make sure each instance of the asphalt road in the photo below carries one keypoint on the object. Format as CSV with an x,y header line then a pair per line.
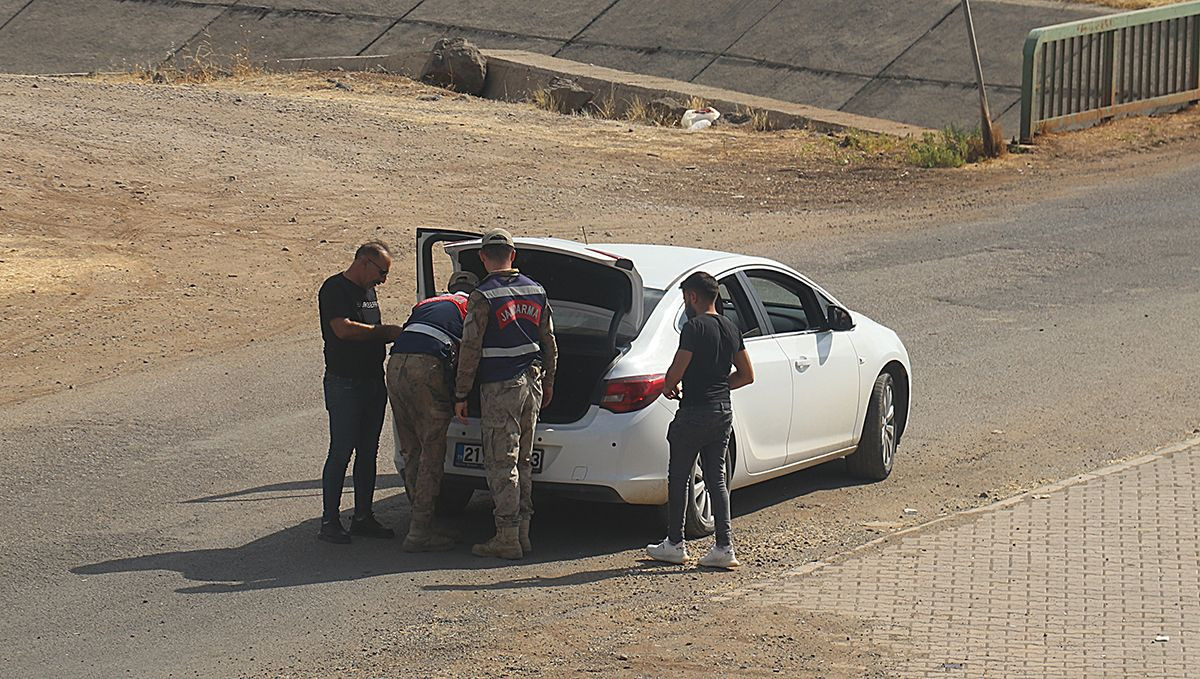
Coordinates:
x,y
163,524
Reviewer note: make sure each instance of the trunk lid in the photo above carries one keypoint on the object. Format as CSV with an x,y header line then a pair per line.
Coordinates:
x,y
594,294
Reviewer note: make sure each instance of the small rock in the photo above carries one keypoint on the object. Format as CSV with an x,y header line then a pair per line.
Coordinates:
x,y
736,118
909,511
568,97
428,97
666,109
1162,638
285,249
456,64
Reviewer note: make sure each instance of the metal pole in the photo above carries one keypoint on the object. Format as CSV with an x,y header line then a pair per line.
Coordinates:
x,y
989,142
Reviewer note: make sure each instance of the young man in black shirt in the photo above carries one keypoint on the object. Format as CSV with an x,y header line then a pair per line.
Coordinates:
x,y
355,395
709,345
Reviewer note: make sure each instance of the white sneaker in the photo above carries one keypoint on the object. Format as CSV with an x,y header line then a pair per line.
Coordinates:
x,y
720,557
668,552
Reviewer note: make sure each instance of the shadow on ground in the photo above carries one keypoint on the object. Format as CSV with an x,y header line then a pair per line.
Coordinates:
x,y
563,530
382,482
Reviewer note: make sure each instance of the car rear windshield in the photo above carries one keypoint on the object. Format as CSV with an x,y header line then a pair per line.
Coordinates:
x,y
650,300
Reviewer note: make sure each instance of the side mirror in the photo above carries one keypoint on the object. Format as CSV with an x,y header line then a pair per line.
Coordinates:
x,y
839,319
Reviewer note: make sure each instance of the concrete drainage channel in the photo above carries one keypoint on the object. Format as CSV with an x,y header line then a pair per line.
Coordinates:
x,y
516,75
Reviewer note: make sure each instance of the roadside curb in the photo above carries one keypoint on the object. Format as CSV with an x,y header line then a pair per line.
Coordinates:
x,y
1186,445
514,75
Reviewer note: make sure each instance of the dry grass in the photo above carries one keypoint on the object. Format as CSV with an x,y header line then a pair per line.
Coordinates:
x,y
605,108
201,65
638,110
543,100
1128,4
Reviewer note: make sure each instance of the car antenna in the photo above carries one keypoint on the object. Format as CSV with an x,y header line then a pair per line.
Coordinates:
x,y
585,236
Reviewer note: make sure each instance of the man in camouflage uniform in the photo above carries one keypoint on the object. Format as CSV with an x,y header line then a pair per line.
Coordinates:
x,y
508,345
419,388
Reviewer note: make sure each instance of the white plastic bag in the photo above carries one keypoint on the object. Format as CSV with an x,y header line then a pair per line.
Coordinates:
x,y
699,118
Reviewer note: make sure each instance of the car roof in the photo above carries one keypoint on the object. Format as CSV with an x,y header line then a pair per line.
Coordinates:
x,y
658,265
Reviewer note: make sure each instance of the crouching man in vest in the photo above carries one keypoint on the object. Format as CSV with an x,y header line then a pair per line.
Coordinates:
x,y
422,403
508,346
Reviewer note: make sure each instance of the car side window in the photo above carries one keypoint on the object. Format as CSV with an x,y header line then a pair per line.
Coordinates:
x,y
733,304
788,303
823,305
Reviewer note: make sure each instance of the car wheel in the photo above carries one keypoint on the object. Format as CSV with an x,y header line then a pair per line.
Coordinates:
x,y
452,500
877,448
699,521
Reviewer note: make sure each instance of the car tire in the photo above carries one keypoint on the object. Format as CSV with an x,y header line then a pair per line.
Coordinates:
x,y
452,500
698,521
876,451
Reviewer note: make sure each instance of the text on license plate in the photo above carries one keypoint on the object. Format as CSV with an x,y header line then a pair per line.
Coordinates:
x,y
470,455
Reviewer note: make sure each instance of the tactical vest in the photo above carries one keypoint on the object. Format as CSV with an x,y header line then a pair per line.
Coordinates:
x,y
511,342
434,327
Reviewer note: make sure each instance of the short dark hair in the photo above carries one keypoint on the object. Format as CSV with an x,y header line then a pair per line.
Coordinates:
x,y
373,248
497,251
702,284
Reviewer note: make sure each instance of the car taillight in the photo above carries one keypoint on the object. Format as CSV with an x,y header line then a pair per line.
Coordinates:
x,y
631,393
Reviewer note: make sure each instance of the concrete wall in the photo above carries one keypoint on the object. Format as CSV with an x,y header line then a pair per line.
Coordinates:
x,y
901,59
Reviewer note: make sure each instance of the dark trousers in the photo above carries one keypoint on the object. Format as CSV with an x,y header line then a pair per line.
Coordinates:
x,y
355,408
705,432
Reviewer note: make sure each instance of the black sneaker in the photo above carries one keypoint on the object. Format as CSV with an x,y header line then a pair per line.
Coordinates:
x,y
367,526
332,531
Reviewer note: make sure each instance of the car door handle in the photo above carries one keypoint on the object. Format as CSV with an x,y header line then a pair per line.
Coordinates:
x,y
803,363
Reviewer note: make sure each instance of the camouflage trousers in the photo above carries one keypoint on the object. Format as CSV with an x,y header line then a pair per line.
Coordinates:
x,y
510,412
422,406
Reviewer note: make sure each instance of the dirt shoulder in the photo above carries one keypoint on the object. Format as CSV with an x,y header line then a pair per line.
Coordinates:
x,y
1127,4
142,224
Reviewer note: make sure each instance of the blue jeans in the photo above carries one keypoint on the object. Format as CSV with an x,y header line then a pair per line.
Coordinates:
x,y
355,408
705,432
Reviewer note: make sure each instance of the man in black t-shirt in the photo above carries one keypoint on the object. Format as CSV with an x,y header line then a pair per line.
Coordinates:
x,y
709,345
355,395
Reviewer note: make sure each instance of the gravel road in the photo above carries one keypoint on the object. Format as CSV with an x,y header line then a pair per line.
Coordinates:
x,y
162,522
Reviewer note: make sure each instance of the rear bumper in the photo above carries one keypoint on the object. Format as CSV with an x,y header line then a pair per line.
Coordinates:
x,y
576,491
606,457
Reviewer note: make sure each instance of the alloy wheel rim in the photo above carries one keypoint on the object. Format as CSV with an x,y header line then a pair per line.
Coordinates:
x,y
887,429
700,498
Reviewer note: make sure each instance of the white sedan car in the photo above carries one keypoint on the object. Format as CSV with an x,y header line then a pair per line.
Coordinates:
x,y
829,382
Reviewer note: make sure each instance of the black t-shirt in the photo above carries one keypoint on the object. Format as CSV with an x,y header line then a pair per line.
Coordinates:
x,y
713,340
341,298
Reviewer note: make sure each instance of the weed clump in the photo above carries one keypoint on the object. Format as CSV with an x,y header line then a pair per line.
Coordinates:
x,y
952,147
201,65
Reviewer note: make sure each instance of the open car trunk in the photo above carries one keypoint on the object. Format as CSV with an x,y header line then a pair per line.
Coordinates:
x,y
596,298
581,367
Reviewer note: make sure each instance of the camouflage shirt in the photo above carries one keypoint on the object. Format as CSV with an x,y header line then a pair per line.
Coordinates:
x,y
471,349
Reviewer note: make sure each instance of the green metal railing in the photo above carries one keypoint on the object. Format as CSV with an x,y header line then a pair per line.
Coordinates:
x,y
1079,73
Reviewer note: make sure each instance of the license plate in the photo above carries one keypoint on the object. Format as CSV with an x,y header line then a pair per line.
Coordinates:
x,y
470,455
